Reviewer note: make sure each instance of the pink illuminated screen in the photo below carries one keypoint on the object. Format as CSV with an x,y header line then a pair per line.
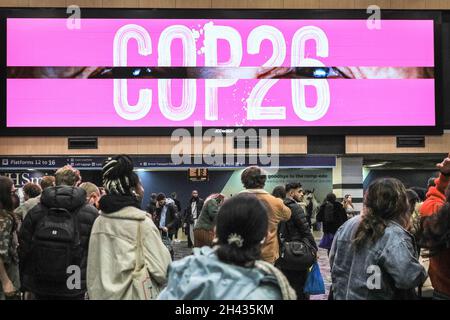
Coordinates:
x,y
220,73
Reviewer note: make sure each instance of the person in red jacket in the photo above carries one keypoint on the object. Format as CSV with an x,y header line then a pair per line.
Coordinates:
x,y
434,225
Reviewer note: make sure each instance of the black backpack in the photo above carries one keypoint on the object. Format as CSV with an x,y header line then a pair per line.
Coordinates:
x,y
329,216
55,245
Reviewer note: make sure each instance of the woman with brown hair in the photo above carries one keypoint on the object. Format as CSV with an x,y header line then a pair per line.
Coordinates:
x,y
348,205
9,261
204,228
373,256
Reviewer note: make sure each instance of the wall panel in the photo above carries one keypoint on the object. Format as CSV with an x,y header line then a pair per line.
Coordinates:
x,y
332,4
193,3
408,4
15,3
387,144
363,4
120,3
47,3
130,145
85,4
271,4
300,4
438,4
229,4
156,3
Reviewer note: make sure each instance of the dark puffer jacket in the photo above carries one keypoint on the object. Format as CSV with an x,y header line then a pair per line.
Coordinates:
x,y
297,227
340,216
172,216
72,199
188,217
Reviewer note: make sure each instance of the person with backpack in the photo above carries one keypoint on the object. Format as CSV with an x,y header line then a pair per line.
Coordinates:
x,y
298,249
232,269
127,259
332,215
54,240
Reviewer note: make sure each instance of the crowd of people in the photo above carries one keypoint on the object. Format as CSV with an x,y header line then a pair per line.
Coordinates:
x,y
74,240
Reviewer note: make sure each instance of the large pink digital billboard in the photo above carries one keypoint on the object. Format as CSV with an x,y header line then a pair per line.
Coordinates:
x,y
219,73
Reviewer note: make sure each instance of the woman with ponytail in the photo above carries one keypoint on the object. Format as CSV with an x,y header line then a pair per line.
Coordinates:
x,y
232,269
373,256
125,248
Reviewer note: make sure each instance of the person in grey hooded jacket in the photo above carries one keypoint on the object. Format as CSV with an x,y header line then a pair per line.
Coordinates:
x,y
373,256
231,270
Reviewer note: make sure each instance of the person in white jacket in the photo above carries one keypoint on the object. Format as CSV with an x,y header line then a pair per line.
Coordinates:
x,y
127,259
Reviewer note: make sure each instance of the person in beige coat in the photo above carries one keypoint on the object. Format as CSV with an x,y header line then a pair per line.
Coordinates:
x,y
127,259
254,179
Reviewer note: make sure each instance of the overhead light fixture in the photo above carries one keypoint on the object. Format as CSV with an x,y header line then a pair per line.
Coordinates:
x,y
376,165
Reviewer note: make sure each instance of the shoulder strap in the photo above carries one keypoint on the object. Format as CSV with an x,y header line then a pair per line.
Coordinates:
x,y
139,249
77,225
283,229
